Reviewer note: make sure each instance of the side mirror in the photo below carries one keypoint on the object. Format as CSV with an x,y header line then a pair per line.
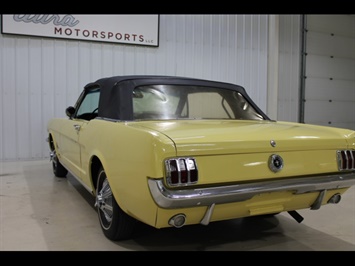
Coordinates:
x,y
70,111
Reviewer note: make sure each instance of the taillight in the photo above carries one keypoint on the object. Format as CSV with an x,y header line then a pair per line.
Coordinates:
x,y
346,159
181,171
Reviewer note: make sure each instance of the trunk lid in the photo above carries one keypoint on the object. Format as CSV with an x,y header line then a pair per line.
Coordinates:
x,y
213,137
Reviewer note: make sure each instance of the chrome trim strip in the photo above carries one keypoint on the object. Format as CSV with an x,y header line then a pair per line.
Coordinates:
x,y
184,198
88,188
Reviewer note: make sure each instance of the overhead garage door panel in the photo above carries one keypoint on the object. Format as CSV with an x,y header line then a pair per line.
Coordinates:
x,y
336,24
329,81
330,68
320,43
330,90
343,117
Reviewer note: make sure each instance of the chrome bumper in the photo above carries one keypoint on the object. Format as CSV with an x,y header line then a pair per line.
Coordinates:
x,y
184,198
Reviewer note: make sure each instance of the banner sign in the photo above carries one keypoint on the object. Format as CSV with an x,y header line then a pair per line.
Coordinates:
x,y
124,29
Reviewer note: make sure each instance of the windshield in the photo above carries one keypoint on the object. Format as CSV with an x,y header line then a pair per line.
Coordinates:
x,y
190,102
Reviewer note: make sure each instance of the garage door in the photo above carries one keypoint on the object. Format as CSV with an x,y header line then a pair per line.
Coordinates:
x,y
329,84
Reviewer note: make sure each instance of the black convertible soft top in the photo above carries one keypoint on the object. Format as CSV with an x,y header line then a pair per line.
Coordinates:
x,y
116,92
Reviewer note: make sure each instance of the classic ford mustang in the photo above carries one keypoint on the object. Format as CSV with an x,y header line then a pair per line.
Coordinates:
x,y
174,151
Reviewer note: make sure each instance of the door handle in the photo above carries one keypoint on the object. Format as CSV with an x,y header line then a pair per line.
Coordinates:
x,y
77,127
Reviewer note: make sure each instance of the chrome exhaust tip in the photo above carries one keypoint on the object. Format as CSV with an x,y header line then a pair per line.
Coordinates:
x,y
335,199
178,220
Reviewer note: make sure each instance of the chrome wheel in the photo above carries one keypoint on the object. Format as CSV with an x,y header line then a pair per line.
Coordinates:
x,y
115,223
104,203
58,168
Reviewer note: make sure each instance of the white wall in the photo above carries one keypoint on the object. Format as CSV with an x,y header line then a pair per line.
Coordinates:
x,y
40,77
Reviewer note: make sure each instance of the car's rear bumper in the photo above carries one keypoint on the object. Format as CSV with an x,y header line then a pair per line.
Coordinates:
x,y
192,197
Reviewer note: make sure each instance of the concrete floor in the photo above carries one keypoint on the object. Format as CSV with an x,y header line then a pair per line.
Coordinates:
x,y
39,212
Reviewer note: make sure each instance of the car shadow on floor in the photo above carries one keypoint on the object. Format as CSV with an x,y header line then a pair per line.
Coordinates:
x,y
259,233
223,235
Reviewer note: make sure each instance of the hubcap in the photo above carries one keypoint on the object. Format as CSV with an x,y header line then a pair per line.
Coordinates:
x,y
104,201
53,158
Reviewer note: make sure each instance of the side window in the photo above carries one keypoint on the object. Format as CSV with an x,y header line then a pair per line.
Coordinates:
x,y
88,108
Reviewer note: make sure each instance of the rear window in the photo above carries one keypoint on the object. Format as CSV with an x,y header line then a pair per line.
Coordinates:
x,y
190,102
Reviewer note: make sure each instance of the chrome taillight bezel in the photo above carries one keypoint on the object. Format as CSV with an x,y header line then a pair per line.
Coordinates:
x,y
346,160
181,171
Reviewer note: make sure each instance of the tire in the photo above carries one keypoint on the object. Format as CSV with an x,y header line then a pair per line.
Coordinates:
x,y
58,168
115,223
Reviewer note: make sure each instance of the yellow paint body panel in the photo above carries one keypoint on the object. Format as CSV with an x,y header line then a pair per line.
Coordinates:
x,y
226,152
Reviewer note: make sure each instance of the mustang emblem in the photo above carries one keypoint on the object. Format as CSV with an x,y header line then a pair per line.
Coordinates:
x,y
276,163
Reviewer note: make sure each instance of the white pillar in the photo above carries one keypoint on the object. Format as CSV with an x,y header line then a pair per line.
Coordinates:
x,y
273,67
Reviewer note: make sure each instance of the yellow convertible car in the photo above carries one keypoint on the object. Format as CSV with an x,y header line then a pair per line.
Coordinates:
x,y
174,151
